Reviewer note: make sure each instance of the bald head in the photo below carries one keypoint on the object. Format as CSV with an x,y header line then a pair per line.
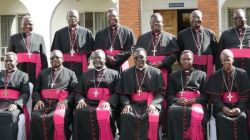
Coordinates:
x,y
26,18
240,20
196,19
156,22
197,13
73,18
74,12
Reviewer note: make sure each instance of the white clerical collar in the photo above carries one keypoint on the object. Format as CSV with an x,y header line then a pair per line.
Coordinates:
x,y
101,69
56,69
141,68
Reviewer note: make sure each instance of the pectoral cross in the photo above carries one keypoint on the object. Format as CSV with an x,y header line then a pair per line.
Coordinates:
x,y
29,54
199,52
139,91
72,52
96,93
111,49
5,93
230,97
154,51
52,84
241,45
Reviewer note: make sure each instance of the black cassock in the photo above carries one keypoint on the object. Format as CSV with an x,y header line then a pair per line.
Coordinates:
x,y
187,40
42,124
82,45
9,120
230,40
86,124
228,127
122,40
179,117
135,125
37,47
166,46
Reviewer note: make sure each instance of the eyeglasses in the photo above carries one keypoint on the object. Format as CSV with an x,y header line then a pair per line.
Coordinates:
x,y
55,57
235,18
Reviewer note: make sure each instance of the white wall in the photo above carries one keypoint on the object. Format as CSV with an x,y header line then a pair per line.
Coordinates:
x,y
149,5
59,18
12,7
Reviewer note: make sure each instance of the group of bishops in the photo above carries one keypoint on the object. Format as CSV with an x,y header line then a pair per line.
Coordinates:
x,y
73,101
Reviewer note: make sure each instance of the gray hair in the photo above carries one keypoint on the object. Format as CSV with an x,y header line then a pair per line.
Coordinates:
x,y
55,51
99,52
10,53
226,52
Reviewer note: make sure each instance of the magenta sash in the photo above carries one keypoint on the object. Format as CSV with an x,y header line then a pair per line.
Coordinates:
x,y
103,94
125,65
230,98
82,58
54,94
195,131
241,53
188,94
153,119
58,116
156,59
204,60
102,115
14,94
33,58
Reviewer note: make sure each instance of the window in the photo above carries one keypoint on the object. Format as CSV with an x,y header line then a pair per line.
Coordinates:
x,y
94,21
230,16
10,24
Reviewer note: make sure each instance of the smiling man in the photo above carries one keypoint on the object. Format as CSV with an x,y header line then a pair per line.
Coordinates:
x,y
30,49
229,90
75,42
141,90
53,98
14,94
96,97
161,46
187,101
116,40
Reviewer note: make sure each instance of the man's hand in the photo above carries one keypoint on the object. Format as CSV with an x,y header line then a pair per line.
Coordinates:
x,y
111,59
81,104
127,109
191,102
12,107
236,111
62,104
39,105
227,111
105,105
181,101
152,109
156,65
